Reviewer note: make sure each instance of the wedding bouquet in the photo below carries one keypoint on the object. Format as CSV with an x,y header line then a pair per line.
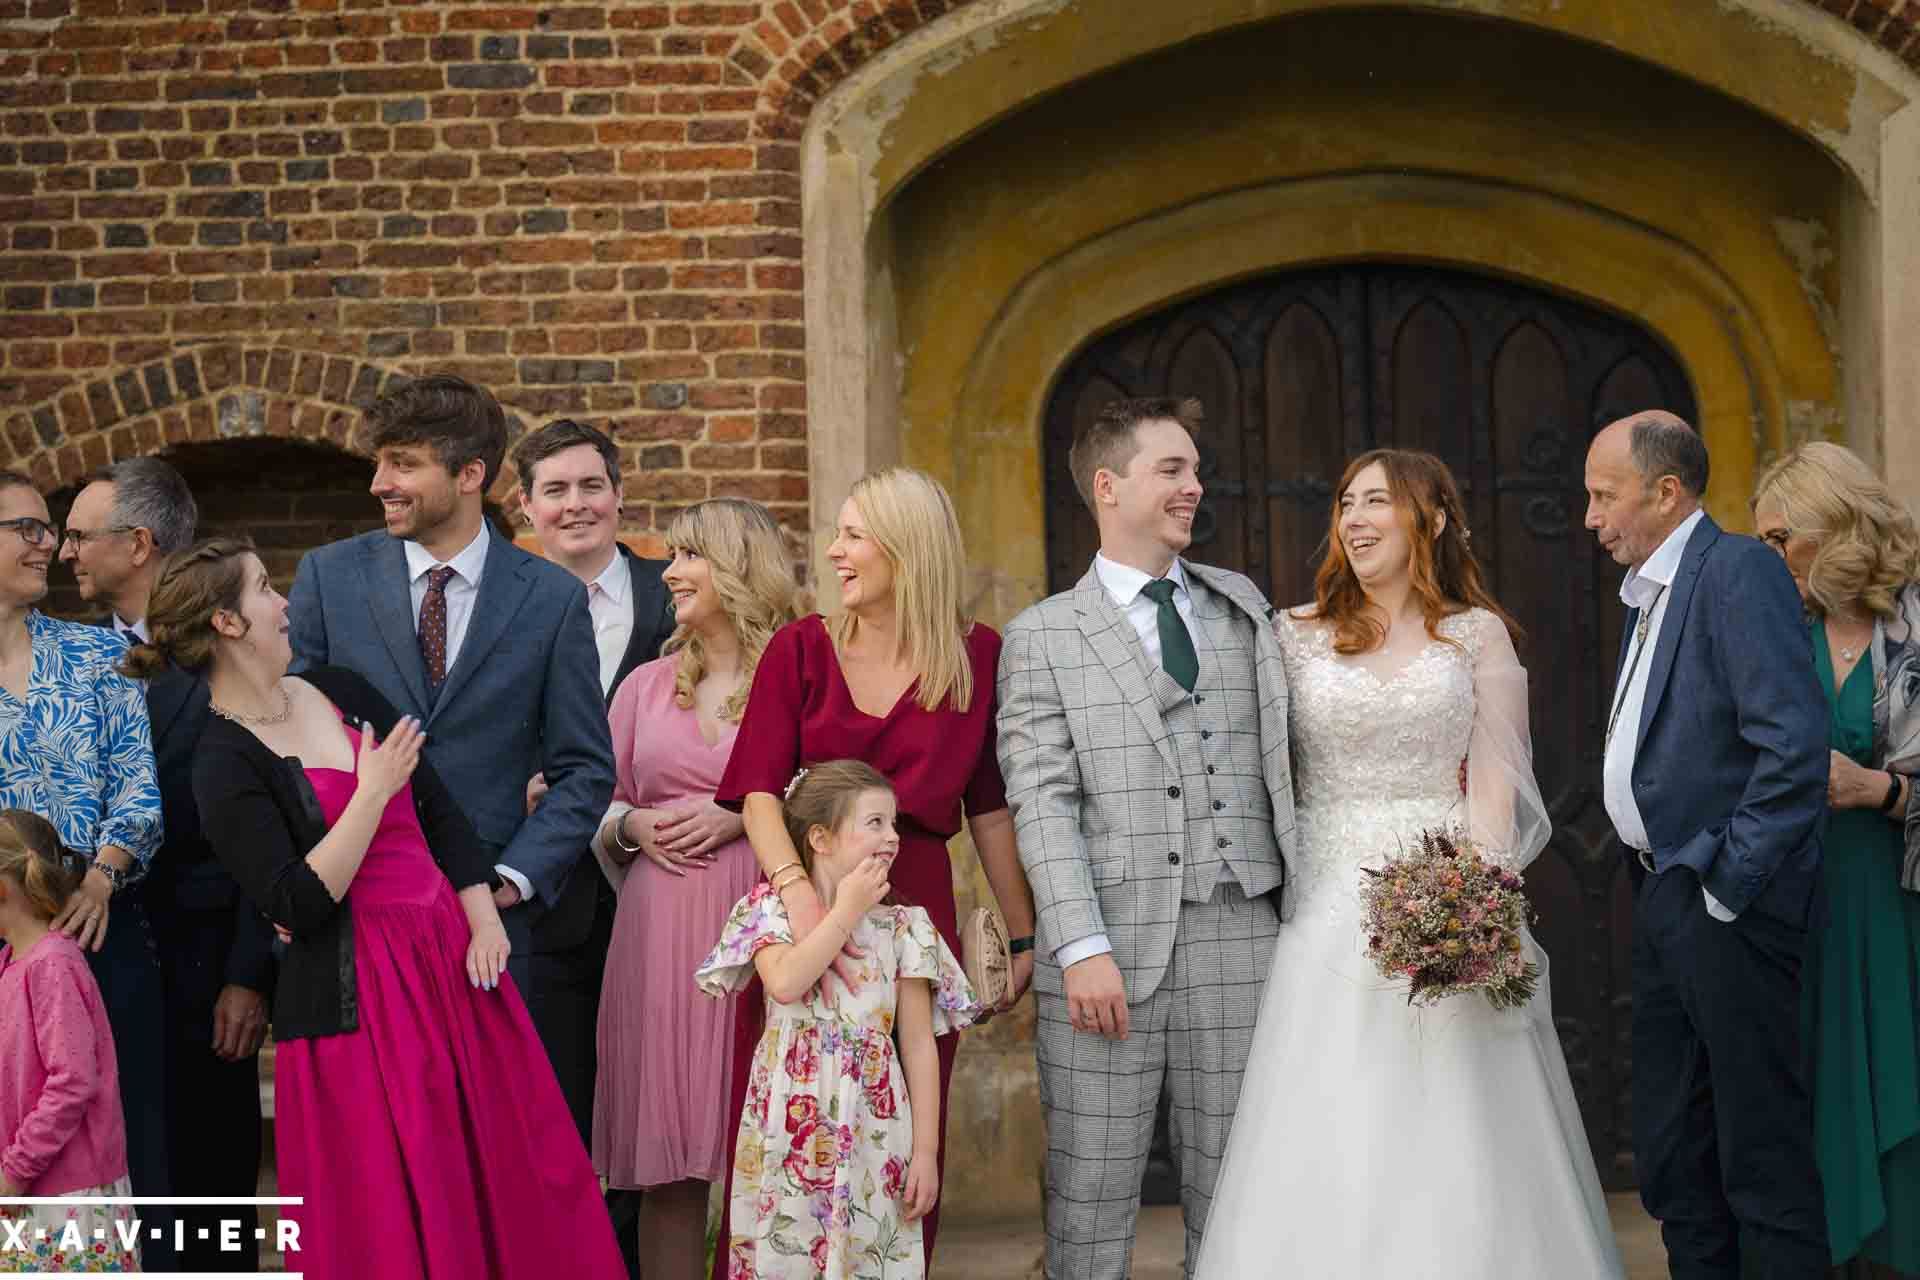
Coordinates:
x,y
1448,919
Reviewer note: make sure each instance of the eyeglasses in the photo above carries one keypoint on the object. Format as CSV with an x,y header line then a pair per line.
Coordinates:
x,y
81,537
32,530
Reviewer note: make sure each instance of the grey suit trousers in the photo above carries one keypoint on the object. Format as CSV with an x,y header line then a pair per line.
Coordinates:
x,y
1191,1037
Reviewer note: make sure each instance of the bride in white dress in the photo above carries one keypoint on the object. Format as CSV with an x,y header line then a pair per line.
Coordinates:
x,y
1373,1138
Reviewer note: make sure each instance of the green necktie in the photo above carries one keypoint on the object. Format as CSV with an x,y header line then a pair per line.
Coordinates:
x,y
1176,646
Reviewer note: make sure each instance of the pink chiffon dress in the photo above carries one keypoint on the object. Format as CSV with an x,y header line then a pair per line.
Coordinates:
x,y
666,1051
432,1143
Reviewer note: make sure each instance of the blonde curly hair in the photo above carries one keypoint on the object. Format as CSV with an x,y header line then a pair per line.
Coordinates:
x,y
1868,546
752,575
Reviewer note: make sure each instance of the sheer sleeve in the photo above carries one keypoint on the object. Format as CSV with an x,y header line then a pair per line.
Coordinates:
x,y
1505,812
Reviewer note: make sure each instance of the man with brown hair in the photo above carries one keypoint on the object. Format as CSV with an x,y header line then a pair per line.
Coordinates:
x,y
1143,736
493,649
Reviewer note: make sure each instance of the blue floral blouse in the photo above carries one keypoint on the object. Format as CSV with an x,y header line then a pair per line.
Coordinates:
x,y
79,751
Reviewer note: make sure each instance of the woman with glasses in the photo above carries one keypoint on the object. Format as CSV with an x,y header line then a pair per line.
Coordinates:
x,y
75,749
1854,552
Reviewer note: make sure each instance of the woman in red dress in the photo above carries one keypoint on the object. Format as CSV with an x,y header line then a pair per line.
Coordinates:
x,y
904,681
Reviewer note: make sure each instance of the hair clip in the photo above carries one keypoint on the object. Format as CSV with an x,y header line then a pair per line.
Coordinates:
x,y
788,793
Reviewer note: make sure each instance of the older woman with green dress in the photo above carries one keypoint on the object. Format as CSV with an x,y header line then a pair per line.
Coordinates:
x,y
1855,554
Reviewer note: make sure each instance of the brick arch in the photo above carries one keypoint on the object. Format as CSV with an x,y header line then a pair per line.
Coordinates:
x,y
199,393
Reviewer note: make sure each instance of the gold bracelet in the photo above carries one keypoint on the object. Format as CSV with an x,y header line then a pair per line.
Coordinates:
x,y
798,875
785,866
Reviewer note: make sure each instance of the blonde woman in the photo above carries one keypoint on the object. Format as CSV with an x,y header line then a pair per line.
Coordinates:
x,y
903,680
665,1050
1855,555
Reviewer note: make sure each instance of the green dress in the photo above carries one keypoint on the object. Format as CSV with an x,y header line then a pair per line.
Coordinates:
x,y
1863,1012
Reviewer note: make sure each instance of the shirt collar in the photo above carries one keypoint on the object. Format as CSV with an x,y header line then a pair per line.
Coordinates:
x,y
467,563
614,579
139,629
1124,582
1644,585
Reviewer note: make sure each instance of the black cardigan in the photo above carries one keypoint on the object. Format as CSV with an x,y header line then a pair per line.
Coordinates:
x,y
261,816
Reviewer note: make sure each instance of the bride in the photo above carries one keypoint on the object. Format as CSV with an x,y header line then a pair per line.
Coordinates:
x,y
1373,1138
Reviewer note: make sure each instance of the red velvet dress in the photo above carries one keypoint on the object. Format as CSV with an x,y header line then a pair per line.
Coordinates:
x,y
942,767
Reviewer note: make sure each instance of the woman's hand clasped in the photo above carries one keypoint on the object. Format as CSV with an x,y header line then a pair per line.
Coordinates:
x,y
385,768
693,832
1850,786
487,955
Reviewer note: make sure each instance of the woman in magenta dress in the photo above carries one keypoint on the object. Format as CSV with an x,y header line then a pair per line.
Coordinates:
x,y
665,1050
415,1111
902,680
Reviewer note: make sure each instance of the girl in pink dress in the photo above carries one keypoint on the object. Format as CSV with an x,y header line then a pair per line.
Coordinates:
x,y
665,1051
416,1113
61,1131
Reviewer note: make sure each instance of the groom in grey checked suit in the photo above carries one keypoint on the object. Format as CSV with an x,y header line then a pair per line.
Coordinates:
x,y
1143,736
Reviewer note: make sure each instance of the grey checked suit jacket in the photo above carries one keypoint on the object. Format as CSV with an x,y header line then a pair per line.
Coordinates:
x,y
1088,762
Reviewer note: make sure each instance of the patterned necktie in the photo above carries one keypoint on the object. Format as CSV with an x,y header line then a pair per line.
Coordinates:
x,y
433,626
1176,646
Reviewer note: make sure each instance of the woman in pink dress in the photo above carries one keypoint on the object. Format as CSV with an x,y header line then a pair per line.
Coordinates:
x,y
665,1050
903,680
416,1114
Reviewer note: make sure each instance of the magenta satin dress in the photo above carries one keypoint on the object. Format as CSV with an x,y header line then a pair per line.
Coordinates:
x,y
431,1143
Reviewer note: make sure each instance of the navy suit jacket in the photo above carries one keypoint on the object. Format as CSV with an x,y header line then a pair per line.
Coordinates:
x,y
1731,772
523,697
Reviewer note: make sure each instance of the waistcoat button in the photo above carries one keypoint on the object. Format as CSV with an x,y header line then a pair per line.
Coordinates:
x,y
1174,792
1174,858
1218,805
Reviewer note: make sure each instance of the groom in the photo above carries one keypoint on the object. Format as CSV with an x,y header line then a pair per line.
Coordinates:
x,y
1142,734
1715,777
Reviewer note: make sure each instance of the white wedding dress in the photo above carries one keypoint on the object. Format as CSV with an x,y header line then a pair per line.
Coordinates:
x,y
1373,1139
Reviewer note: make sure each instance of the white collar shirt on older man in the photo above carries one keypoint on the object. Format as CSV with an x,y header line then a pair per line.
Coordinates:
x,y
1648,591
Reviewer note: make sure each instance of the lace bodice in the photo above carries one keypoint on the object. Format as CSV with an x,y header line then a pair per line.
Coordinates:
x,y
1376,758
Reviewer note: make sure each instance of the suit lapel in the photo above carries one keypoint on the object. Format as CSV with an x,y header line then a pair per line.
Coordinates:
x,y
1674,621
504,583
1114,642
171,694
390,599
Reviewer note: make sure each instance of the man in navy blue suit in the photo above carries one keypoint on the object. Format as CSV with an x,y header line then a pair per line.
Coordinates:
x,y
1716,782
493,649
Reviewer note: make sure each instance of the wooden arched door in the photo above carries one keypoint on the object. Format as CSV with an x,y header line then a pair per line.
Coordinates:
x,y
1299,372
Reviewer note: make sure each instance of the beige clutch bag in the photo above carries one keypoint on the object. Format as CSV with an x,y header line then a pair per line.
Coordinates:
x,y
984,956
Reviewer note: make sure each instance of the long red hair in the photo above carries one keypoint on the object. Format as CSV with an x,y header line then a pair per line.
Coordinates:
x,y
1445,576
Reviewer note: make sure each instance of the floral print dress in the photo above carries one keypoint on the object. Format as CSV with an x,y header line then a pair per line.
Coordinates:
x,y
827,1131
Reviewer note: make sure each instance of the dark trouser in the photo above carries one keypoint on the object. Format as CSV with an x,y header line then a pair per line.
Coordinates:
x,y
1722,1118
129,976
562,991
213,1106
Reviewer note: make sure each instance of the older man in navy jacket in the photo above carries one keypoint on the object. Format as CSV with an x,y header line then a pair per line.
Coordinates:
x,y
1716,781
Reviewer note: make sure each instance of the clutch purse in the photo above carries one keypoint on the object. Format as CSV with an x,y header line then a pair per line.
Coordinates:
x,y
986,958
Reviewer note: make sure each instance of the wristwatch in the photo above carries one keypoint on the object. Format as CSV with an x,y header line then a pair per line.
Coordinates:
x,y
1017,945
115,876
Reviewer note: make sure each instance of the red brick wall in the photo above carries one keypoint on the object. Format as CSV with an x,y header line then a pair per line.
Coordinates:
x,y
232,215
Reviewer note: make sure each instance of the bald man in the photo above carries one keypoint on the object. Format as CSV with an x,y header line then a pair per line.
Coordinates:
x,y
1715,778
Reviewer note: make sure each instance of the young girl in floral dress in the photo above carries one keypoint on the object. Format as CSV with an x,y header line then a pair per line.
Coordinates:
x,y
61,1131
831,1176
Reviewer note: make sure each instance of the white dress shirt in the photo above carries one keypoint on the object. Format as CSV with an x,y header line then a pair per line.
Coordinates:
x,y
136,632
1124,585
1648,589
610,604
462,587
